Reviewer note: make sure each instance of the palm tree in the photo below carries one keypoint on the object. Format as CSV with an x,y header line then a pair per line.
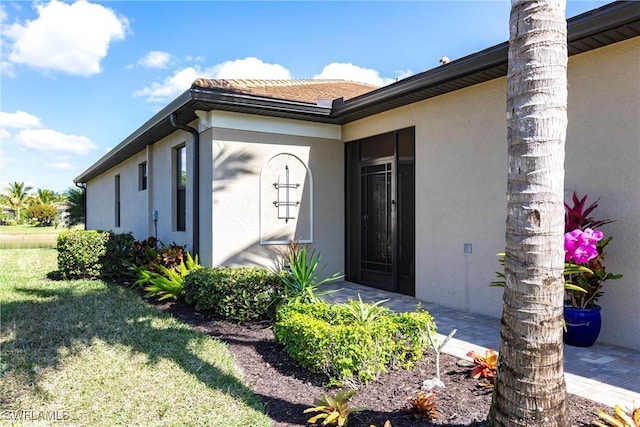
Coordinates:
x,y
530,388
46,197
75,196
16,197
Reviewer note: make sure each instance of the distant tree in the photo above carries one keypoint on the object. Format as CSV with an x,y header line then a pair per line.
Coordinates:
x,y
47,197
16,196
75,197
44,214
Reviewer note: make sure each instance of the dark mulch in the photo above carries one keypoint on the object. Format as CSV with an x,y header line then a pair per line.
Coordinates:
x,y
287,390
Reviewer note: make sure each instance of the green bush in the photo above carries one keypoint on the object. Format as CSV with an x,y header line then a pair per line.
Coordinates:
x,y
116,258
237,294
326,338
42,214
166,282
81,253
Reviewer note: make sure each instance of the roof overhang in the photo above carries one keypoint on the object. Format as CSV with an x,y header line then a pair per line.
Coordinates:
x,y
600,27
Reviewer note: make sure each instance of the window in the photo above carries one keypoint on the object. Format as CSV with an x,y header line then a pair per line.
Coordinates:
x,y
181,188
142,176
117,197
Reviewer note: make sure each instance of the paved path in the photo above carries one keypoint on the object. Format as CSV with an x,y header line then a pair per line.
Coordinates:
x,y
603,373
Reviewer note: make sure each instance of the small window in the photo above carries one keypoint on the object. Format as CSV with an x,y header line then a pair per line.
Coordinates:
x,y
181,188
142,176
117,198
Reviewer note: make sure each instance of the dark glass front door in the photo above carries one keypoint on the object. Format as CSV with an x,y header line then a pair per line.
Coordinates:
x,y
377,202
380,211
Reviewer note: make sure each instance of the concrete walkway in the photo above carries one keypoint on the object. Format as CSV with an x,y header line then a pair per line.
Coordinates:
x,y
603,373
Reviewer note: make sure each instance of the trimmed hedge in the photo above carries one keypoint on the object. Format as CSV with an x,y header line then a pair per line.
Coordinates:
x,y
237,294
325,338
80,253
117,255
92,254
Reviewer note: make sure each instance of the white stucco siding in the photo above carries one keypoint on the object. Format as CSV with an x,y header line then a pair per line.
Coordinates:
x,y
461,170
460,191
101,200
603,161
162,184
238,160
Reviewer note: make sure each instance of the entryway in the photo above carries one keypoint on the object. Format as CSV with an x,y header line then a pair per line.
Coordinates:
x,y
380,216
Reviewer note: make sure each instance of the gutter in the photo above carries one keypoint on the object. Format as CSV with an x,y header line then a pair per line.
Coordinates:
x,y
195,157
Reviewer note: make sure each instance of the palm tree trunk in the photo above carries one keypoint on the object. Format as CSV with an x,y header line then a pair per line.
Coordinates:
x,y
530,388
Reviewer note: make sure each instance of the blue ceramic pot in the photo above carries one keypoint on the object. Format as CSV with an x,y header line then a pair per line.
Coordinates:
x,y
583,326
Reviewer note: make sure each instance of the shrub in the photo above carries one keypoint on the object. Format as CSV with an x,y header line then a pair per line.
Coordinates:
x,y
116,257
166,282
42,214
80,253
237,294
142,253
325,338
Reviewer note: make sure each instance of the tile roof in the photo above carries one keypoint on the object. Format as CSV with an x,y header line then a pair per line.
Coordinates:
x,y
307,91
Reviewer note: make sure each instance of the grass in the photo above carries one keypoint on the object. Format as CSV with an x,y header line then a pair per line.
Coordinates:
x,y
29,229
91,353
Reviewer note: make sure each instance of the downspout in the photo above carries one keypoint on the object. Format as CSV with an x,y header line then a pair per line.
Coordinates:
x,y
83,187
195,157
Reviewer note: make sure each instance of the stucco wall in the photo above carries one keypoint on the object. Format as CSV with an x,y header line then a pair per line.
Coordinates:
x,y
603,161
461,169
133,203
238,159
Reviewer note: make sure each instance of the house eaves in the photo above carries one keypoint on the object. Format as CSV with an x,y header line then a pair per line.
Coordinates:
x,y
600,27
185,106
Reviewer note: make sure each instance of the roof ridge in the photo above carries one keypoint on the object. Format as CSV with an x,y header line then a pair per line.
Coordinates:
x,y
253,83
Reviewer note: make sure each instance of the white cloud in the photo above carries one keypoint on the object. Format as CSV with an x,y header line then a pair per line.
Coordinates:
x,y
181,80
60,166
348,71
19,119
51,141
72,38
249,68
171,86
155,59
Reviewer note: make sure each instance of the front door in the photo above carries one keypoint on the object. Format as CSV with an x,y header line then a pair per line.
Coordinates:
x,y
378,225
380,211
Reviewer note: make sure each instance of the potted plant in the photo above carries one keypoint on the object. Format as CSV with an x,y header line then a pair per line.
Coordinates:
x,y
585,273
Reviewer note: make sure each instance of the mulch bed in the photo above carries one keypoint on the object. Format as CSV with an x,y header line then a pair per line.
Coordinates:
x,y
287,390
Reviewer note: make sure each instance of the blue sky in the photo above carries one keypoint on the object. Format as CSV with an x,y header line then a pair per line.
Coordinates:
x,y
77,77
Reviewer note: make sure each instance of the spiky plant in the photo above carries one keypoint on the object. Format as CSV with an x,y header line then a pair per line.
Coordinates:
x,y
423,406
622,417
333,409
484,366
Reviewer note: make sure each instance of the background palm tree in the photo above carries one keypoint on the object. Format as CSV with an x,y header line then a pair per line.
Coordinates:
x,y
530,388
47,197
75,197
16,196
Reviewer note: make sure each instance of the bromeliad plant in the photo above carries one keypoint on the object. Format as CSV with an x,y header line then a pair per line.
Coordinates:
x,y
333,409
423,406
484,366
584,247
622,417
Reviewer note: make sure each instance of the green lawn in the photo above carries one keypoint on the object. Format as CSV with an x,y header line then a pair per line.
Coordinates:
x,y
29,229
90,353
